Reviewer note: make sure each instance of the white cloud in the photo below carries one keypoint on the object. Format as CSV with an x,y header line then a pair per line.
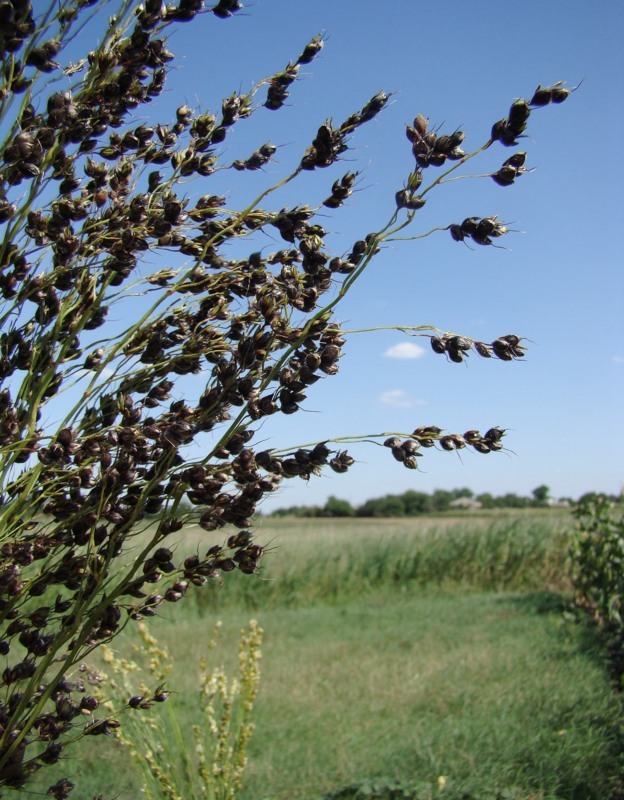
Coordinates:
x,y
405,350
618,359
399,398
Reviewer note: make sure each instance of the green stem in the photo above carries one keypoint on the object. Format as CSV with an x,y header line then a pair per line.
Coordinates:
x,y
370,438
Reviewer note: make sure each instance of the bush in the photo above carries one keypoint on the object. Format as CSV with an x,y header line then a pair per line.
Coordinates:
x,y
597,556
598,559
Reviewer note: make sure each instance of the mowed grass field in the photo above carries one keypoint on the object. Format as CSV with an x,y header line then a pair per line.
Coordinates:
x,y
436,652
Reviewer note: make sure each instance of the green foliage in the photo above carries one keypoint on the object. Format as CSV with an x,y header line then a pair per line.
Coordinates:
x,y
597,559
335,507
416,503
487,500
597,554
541,493
391,789
511,500
380,790
390,505
410,504
297,511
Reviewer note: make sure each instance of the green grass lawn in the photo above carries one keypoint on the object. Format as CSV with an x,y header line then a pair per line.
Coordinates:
x,y
490,691
433,683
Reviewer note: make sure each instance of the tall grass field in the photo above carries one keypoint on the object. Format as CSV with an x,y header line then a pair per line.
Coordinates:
x,y
402,659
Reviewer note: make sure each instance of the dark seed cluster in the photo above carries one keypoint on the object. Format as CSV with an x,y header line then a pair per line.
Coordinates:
x,y
479,230
408,197
341,190
550,94
431,150
457,348
330,142
511,169
277,92
507,131
406,450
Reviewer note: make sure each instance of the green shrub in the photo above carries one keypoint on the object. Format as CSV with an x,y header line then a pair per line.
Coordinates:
x,y
597,555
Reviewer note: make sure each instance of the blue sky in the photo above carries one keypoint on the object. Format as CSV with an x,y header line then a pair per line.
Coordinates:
x,y
558,282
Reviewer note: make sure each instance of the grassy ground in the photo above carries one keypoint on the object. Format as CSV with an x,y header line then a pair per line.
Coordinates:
x,y
487,690
423,674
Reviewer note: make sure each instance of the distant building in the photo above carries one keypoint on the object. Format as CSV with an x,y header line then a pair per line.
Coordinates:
x,y
552,503
465,503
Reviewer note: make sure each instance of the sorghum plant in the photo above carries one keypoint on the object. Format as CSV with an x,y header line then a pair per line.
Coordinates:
x,y
101,425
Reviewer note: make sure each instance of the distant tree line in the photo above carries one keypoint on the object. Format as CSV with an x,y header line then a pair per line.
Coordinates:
x,y
413,503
